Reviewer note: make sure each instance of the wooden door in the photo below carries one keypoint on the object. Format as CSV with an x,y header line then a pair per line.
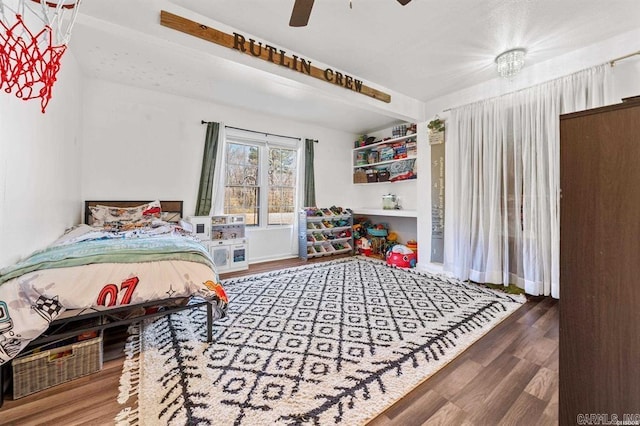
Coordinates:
x,y
600,263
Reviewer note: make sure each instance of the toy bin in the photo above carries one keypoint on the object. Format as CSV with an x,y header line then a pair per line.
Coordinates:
x,y
329,249
377,232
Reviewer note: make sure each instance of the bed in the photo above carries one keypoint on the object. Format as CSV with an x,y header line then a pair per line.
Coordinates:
x,y
130,260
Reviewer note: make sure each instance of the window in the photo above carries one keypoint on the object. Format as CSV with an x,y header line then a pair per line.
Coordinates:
x,y
261,177
282,186
242,190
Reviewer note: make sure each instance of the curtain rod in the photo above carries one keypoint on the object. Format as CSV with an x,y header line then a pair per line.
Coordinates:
x,y
261,133
254,131
613,61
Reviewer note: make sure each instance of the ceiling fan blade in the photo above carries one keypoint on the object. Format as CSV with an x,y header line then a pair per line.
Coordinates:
x,y
404,2
301,12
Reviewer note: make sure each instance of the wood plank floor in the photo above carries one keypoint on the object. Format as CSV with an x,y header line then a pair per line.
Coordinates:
x,y
509,377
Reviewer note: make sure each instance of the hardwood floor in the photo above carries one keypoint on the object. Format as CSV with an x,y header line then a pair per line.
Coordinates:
x,y
508,377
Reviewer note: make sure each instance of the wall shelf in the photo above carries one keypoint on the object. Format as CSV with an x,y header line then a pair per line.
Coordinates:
x,y
384,212
386,181
398,139
382,163
390,160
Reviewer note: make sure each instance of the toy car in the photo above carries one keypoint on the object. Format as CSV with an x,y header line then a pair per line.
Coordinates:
x,y
402,257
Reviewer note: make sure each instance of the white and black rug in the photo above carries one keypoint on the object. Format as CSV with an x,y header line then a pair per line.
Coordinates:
x,y
329,343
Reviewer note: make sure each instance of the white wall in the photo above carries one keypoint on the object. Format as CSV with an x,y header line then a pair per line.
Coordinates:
x,y
625,77
40,166
141,144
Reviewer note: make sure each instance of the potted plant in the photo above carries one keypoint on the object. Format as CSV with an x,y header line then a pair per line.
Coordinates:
x,y
436,131
436,125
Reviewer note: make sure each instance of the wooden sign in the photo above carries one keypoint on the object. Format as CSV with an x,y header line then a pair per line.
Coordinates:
x,y
268,53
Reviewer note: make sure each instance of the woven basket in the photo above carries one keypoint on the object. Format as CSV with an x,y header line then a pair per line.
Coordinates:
x,y
359,176
33,373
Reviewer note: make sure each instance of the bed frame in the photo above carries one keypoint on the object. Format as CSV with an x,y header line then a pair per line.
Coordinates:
x,y
73,322
175,207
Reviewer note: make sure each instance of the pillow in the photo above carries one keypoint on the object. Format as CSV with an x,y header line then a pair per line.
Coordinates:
x,y
125,218
170,217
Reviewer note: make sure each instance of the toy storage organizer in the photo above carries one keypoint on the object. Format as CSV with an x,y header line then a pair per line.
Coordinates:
x,y
324,232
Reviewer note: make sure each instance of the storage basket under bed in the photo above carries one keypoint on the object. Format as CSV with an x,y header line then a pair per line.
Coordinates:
x,y
33,373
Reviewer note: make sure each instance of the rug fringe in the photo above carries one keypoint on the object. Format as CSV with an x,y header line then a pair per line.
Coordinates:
x,y
130,379
127,417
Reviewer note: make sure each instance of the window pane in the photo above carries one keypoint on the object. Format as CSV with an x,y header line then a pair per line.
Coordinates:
x,y
242,195
281,206
238,174
282,183
242,154
243,200
242,164
275,166
282,163
289,158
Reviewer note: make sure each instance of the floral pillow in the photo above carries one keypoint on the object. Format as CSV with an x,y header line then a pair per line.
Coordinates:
x,y
125,218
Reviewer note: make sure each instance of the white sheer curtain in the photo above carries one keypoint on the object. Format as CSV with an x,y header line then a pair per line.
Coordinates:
x,y
502,222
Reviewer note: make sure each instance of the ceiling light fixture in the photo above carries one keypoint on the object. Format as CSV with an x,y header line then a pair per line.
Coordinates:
x,y
510,62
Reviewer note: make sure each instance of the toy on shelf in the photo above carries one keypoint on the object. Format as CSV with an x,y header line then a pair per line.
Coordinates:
x,y
402,257
318,236
337,210
377,231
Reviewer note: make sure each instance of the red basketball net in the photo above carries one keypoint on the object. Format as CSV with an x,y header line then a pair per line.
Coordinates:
x,y
29,62
27,66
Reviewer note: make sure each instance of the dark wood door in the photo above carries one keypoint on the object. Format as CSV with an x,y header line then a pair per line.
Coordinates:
x,y
600,263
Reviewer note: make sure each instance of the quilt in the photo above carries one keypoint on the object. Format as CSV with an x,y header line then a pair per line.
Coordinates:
x,y
90,267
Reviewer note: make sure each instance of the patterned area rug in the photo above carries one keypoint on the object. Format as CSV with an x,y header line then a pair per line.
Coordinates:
x,y
329,343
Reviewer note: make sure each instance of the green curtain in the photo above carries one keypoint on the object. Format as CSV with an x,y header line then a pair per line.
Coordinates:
x,y
309,177
203,204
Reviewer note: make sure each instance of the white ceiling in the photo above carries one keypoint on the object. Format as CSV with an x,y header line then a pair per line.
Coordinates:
x,y
423,50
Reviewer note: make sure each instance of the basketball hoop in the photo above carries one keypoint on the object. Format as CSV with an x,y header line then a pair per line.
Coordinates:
x,y
33,37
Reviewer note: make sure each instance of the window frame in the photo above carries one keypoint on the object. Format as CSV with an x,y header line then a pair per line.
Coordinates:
x,y
264,142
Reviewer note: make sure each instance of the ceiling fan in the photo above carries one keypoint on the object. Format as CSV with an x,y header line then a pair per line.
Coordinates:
x,y
302,11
